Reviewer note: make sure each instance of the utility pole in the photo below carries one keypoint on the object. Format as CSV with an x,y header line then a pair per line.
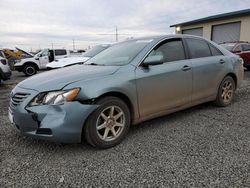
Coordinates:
x,y
73,40
116,33
52,45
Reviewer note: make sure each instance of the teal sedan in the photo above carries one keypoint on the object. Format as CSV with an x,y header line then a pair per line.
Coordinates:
x,y
128,83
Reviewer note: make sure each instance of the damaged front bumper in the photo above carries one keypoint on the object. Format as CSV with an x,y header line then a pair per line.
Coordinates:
x,y
56,123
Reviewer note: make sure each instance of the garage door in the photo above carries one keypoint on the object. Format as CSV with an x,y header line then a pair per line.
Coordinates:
x,y
196,31
226,32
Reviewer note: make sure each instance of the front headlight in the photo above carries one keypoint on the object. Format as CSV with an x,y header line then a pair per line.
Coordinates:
x,y
17,61
55,97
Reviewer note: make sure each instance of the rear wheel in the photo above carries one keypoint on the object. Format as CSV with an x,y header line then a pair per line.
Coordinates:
x,y
226,92
29,70
248,68
108,124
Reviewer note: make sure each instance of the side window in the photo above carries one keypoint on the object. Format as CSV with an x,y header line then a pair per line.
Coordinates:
x,y
172,50
198,48
238,48
246,47
215,51
60,52
45,53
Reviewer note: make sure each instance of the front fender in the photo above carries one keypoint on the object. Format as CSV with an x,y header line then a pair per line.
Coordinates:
x,y
122,82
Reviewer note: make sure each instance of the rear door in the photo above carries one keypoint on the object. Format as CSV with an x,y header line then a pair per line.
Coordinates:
x,y
165,86
208,65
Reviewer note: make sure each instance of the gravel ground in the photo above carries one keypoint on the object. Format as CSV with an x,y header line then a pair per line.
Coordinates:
x,y
203,146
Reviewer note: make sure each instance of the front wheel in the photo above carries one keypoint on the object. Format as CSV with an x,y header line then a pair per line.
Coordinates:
x,y
29,70
226,92
108,125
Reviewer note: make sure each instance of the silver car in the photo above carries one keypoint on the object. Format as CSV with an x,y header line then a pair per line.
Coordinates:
x,y
5,72
128,83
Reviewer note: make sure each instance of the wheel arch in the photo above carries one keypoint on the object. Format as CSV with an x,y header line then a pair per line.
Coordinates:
x,y
233,75
117,94
31,63
121,96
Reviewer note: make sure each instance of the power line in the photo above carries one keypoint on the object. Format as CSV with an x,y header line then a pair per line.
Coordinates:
x,y
73,40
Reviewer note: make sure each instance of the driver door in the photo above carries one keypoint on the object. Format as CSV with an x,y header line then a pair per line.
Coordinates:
x,y
165,86
44,59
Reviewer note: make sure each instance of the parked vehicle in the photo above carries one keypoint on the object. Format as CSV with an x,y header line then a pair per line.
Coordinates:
x,y
30,66
2,54
239,48
127,83
15,54
5,72
65,62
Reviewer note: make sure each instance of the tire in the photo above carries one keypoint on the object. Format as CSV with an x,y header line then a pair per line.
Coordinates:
x,y
29,70
248,68
113,119
226,92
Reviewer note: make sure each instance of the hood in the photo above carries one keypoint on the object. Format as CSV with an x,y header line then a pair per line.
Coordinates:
x,y
26,59
59,78
66,62
27,53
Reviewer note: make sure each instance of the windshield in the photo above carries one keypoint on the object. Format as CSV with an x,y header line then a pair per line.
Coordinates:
x,y
119,54
95,50
44,52
228,46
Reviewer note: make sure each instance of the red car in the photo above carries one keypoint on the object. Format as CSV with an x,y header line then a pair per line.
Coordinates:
x,y
240,48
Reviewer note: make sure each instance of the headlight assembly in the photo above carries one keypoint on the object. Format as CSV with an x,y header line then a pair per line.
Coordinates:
x,y
55,97
17,61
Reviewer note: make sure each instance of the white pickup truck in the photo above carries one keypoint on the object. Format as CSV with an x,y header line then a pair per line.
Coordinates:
x,y
30,66
65,62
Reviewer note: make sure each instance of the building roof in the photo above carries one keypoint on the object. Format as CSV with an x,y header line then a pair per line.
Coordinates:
x,y
216,17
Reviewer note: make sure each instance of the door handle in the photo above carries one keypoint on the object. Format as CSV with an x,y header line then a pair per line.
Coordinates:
x,y
186,68
222,61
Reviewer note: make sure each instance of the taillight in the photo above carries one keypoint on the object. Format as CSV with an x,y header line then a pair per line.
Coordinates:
x,y
3,61
241,61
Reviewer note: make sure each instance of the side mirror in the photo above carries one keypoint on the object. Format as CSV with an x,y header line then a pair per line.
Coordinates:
x,y
153,60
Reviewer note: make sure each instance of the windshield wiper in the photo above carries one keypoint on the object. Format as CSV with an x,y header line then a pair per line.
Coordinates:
x,y
95,64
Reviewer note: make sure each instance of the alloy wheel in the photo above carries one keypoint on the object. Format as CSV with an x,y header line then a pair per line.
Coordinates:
x,y
110,123
227,91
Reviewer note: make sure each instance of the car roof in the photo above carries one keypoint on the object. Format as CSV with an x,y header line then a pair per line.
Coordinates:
x,y
162,37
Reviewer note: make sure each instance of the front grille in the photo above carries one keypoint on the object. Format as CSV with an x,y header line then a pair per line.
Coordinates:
x,y
17,99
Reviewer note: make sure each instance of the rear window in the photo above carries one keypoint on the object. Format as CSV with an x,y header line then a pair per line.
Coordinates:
x,y
246,47
60,52
198,48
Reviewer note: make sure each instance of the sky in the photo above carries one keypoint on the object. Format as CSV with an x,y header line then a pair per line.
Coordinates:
x,y
36,24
